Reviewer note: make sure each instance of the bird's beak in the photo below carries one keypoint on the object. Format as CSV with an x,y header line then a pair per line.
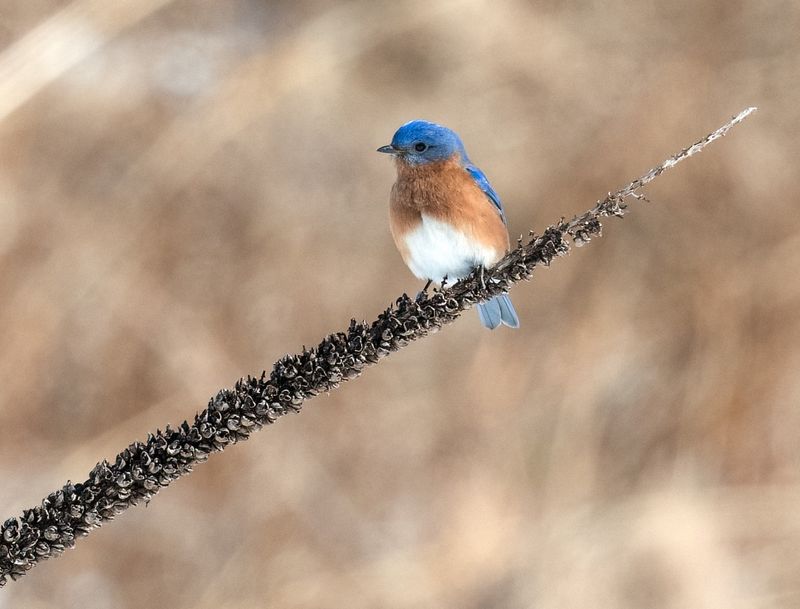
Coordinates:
x,y
388,149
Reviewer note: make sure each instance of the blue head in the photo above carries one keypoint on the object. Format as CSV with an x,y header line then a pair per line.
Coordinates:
x,y
420,142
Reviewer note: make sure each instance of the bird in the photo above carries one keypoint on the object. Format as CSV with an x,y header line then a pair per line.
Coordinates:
x,y
444,215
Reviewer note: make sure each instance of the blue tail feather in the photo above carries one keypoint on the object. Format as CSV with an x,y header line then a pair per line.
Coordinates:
x,y
508,314
490,314
496,311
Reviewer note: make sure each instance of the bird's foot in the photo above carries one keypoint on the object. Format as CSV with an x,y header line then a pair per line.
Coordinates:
x,y
424,292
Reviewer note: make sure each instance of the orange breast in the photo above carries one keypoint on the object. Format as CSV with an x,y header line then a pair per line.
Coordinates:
x,y
446,192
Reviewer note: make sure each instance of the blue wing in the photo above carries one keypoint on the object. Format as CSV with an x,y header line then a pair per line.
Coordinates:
x,y
482,181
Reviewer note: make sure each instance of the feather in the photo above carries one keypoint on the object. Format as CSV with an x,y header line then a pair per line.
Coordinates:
x,y
490,313
483,182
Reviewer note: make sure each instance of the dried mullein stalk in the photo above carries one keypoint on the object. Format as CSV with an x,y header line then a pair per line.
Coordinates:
x,y
143,468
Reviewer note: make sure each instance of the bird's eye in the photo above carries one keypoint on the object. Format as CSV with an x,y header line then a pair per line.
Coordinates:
x,y
420,146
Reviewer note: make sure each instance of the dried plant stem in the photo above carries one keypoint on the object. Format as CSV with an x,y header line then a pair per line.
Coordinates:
x,y
143,468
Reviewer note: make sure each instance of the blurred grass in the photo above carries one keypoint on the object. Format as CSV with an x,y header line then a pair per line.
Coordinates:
x,y
193,192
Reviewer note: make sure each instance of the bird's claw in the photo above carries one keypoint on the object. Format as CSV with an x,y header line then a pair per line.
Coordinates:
x,y
424,292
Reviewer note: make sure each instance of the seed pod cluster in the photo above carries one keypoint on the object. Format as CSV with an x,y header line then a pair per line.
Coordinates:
x,y
143,468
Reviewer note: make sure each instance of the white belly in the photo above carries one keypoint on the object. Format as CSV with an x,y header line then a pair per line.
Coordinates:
x,y
437,250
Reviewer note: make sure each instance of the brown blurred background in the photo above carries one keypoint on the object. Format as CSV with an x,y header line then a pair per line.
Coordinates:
x,y
189,190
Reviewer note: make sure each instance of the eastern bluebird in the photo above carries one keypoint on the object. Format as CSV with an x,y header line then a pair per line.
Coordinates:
x,y
445,217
